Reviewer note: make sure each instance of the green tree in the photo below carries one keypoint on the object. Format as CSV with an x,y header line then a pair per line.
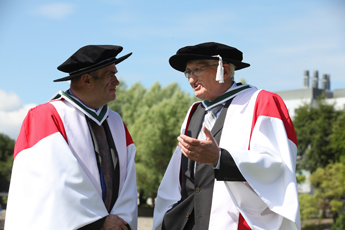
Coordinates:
x,y
308,206
340,223
321,150
337,138
313,127
329,187
6,162
154,118
129,102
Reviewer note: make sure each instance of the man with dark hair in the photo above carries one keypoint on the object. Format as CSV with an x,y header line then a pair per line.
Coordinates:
x,y
234,167
74,157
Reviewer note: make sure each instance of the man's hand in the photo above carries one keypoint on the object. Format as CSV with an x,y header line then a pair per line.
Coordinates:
x,y
206,152
113,222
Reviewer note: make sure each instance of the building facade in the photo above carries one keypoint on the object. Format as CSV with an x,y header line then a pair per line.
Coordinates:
x,y
310,92
309,95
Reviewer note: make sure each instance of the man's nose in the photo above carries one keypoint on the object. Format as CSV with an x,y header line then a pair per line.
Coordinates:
x,y
192,78
115,81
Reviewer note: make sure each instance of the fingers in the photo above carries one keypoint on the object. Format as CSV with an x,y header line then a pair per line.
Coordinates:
x,y
208,133
122,220
187,144
114,222
184,150
188,141
202,151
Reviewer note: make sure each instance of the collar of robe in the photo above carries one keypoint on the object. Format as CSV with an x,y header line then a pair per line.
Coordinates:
x,y
225,96
97,116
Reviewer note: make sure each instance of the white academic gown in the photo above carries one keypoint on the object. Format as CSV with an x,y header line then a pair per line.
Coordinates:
x,y
55,181
259,135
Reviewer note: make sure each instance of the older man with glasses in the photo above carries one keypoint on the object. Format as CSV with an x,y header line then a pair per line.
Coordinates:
x,y
234,166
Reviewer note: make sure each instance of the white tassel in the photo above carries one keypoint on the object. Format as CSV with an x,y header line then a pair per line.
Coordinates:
x,y
220,70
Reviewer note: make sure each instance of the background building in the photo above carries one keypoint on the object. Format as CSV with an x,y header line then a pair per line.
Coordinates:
x,y
309,94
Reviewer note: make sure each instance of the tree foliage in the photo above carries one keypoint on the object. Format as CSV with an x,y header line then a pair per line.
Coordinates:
x,y
329,187
338,138
153,118
6,161
308,206
320,133
313,127
340,223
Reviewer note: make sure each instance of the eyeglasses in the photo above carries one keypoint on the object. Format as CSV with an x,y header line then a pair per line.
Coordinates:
x,y
196,70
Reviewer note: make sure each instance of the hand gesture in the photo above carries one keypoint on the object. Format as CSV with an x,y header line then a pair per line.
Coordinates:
x,y
202,151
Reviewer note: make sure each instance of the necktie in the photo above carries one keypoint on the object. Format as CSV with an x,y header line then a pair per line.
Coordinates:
x,y
106,169
210,119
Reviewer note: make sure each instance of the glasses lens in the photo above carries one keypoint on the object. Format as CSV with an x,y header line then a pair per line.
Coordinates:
x,y
187,73
196,71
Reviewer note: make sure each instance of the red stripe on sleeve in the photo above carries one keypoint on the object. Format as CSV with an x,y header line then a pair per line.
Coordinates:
x,y
242,224
39,123
272,105
129,139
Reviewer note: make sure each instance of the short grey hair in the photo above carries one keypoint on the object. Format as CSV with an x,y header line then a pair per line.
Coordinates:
x,y
232,71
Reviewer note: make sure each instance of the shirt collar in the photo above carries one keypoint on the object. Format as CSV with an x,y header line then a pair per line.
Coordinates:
x,y
97,116
69,91
233,91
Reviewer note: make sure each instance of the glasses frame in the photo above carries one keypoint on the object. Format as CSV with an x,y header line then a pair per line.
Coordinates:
x,y
196,70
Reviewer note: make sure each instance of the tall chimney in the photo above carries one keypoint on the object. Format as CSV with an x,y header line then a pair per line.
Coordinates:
x,y
324,82
316,79
329,82
306,79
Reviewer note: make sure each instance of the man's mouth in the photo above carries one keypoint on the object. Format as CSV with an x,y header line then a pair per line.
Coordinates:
x,y
196,86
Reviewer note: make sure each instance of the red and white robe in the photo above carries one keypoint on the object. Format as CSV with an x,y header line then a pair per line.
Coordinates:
x,y
259,135
55,181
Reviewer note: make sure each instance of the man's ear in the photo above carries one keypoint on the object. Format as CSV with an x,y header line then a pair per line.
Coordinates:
x,y
86,79
226,70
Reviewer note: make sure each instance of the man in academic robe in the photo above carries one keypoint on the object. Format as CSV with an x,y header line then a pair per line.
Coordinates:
x,y
234,166
74,157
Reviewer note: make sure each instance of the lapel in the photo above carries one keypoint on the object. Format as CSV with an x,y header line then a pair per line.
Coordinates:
x,y
196,121
198,116
218,126
193,131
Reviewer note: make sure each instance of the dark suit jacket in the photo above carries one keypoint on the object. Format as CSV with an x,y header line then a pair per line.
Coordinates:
x,y
193,210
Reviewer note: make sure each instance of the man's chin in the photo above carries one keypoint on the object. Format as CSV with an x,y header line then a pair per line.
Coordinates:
x,y
112,98
198,95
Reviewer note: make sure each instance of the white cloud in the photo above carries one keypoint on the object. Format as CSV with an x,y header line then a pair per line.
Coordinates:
x,y
55,10
12,113
9,101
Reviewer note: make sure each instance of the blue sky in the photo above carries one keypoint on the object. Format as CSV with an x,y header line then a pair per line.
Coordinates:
x,y
280,39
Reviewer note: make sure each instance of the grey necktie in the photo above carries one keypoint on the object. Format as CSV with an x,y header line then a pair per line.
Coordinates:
x,y
107,170
210,119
